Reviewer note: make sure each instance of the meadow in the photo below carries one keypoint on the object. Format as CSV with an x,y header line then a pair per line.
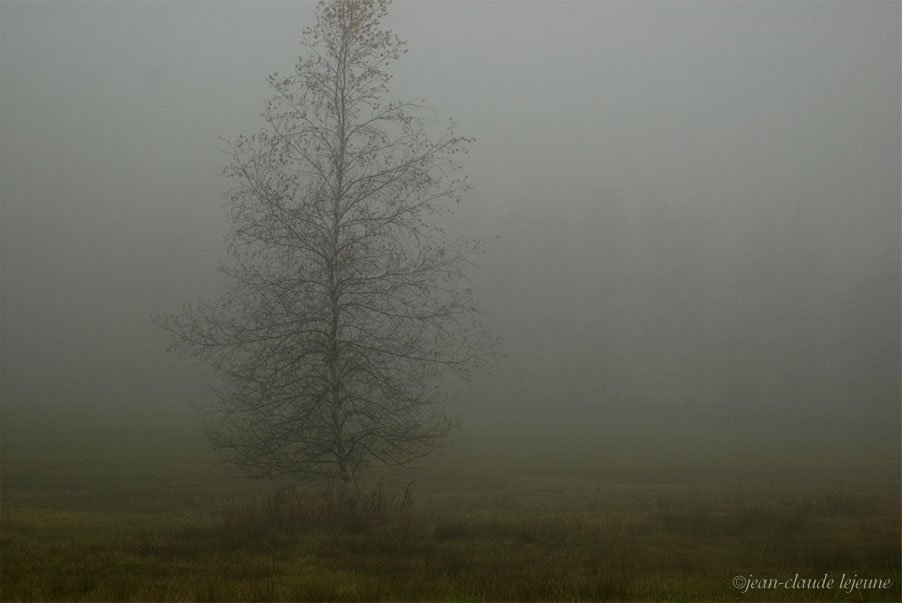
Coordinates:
x,y
148,513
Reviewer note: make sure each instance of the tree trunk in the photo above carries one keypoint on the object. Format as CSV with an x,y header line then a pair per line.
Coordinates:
x,y
349,486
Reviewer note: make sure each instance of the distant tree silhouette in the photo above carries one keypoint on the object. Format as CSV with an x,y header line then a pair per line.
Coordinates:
x,y
345,304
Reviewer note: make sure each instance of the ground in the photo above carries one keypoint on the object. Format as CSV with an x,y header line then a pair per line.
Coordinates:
x,y
147,513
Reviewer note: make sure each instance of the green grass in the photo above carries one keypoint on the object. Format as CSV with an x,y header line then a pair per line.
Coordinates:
x,y
149,515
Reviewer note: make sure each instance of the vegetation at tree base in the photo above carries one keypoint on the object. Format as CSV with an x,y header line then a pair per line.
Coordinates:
x,y
345,305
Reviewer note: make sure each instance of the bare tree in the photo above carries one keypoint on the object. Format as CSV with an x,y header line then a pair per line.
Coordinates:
x,y
345,306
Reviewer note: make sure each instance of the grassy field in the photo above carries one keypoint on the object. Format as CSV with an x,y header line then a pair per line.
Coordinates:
x,y
148,514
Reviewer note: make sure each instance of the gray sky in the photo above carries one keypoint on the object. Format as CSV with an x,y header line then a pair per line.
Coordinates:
x,y
697,203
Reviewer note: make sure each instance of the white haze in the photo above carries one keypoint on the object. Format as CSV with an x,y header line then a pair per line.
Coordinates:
x,y
696,204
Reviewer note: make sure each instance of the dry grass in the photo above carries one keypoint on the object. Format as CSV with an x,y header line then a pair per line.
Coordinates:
x,y
170,524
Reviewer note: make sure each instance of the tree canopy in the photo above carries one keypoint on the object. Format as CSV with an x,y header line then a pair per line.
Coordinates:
x,y
346,301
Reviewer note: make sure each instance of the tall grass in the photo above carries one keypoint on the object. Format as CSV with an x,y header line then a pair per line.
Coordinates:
x,y
106,526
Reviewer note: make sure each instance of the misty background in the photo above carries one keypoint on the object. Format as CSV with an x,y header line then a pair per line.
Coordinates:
x,y
696,204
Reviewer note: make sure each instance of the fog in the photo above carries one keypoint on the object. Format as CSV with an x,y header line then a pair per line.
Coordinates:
x,y
693,207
